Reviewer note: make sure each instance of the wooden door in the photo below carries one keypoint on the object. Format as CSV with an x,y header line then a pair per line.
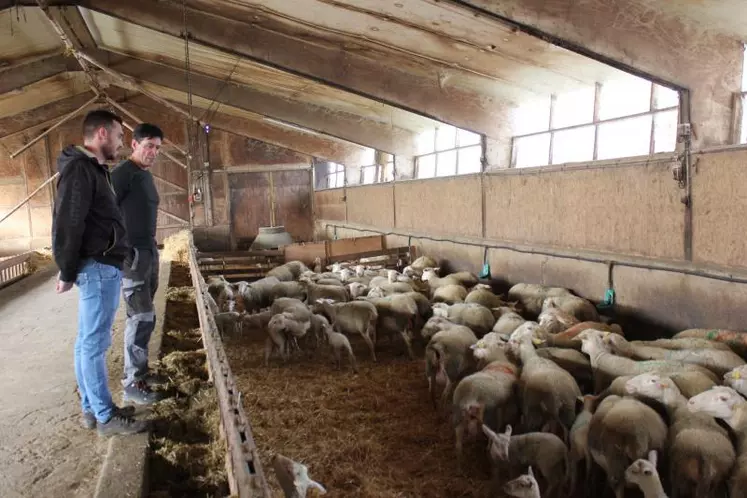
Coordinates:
x,y
250,206
293,203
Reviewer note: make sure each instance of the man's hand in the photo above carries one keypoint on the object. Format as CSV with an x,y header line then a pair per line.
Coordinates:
x,y
63,286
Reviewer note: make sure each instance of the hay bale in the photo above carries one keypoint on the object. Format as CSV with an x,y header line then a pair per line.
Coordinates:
x,y
176,247
39,258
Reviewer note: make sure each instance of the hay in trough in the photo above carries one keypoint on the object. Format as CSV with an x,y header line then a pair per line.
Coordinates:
x,y
180,294
39,259
370,435
176,247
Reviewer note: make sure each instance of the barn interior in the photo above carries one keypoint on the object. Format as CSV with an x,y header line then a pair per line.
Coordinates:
x,y
593,146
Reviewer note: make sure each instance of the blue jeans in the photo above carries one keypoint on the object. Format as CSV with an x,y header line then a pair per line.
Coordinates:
x,y
98,286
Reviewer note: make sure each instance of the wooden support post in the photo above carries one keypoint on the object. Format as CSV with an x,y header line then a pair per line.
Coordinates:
x,y
28,198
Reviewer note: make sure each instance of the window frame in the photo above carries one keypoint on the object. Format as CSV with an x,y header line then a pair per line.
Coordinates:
x,y
456,149
596,123
329,175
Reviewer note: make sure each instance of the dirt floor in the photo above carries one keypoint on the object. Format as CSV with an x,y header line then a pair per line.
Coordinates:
x,y
374,434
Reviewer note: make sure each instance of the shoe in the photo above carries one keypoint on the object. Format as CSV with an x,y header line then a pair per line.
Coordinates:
x,y
139,392
121,425
88,419
153,379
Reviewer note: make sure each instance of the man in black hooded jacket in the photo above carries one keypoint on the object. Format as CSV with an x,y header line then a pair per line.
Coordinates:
x,y
89,244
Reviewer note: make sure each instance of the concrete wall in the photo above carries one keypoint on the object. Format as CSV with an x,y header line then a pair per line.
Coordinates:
x,y
563,226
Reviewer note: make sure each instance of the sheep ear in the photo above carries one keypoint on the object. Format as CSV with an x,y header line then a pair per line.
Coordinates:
x,y
652,456
489,432
530,471
508,430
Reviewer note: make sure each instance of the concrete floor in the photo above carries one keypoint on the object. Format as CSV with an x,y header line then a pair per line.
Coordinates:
x,y
43,449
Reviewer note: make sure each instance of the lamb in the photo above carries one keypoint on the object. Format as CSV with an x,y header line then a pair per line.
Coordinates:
x,y
725,403
531,296
572,361
553,319
293,477
483,295
222,293
508,320
281,329
573,331
579,434
689,384
389,289
475,316
700,452
288,289
485,397
488,348
436,324
543,451
259,294
576,306
228,322
718,361
737,379
642,473
447,359
397,315
355,317
621,431
357,289
548,392
338,343
315,292
449,294
607,366
524,486
296,268
463,278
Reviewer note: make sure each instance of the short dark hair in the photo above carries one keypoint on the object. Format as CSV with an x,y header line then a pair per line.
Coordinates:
x,y
146,130
98,118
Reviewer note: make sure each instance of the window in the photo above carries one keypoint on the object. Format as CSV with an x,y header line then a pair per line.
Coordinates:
x,y
743,128
376,167
447,151
335,175
623,118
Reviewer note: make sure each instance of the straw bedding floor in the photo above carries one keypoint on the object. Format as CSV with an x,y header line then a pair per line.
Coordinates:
x,y
374,434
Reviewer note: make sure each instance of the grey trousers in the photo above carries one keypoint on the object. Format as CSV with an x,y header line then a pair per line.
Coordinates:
x,y
139,284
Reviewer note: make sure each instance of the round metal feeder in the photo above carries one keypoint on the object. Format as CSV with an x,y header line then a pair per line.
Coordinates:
x,y
271,238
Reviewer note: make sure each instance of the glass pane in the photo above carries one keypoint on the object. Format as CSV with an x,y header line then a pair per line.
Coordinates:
x,y
446,165
573,108
629,137
389,171
465,138
574,145
624,97
332,167
445,137
532,151
427,166
425,142
369,175
469,160
665,97
531,117
665,131
743,134
368,157
744,71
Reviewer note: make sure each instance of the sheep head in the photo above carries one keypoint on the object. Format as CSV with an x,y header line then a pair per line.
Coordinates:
x,y
654,386
643,472
429,274
719,402
440,310
592,342
498,443
524,486
737,379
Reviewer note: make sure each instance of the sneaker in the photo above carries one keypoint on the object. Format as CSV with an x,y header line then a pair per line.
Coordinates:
x,y
139,392
88,419
122,425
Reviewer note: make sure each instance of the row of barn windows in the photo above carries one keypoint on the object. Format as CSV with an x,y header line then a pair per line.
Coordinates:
x,y
630,117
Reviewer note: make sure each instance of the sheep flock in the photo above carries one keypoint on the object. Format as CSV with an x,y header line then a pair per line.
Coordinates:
x,y
562,403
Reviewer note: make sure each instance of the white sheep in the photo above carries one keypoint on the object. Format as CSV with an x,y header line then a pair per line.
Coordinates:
x,y
282,329
294,477
524,486
338,343
643,474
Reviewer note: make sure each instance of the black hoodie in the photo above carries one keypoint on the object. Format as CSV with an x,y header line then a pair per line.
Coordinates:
x,y
86,222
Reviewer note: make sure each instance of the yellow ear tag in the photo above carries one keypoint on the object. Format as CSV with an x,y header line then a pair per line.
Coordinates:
x,y
736,374
537,342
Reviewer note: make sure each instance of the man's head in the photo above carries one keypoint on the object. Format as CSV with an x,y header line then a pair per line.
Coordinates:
x,y
103,134
146,143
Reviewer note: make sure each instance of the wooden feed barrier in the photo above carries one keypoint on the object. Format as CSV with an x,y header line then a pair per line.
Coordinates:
x,y
245,475
14,268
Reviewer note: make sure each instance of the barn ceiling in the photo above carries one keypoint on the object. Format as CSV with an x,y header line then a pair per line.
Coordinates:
x,y
400,51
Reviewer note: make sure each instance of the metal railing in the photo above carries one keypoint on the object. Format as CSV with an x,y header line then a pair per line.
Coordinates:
x,y
245,475
14,268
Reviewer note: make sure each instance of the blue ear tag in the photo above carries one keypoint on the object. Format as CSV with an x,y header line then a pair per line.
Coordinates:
x,y
609,300
485,273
